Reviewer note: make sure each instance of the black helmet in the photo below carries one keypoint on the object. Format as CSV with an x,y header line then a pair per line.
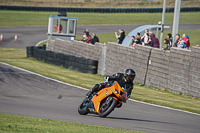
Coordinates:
x,y
129,75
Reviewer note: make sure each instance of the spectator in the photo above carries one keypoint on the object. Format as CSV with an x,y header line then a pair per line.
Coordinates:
x,y
166,41
60,29
145,37
138,40
153,41
198,45
169,37
177,40
121,36
186,39
88,37
133,42
94,38
149,41
84,37
181,44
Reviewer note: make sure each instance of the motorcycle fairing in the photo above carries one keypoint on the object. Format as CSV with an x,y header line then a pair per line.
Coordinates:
x,y
103,93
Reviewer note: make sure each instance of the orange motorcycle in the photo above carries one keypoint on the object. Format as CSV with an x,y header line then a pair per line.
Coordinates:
x,y
104,101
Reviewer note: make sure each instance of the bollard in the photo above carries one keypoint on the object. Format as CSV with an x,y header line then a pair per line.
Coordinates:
x,y
1,38
15,37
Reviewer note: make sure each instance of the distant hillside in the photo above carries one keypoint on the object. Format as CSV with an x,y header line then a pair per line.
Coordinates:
x,y
100,3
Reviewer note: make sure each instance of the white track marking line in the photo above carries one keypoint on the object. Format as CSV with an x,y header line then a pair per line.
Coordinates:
x,y
87,90
40,42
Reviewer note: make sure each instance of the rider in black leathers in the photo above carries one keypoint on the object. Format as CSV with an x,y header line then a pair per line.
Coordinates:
x,y
127,77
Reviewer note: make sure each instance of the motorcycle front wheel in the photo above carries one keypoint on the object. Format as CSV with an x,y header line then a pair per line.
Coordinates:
x,y
82,109
107,107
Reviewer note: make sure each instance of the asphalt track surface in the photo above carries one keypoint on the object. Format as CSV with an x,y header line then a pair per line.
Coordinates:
x,y
27,94
30,36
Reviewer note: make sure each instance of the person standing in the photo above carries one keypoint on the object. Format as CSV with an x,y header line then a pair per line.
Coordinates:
x,y
177,40
166,41
153,41
182,44
56,27
169,37
94,38
133,42
138,40
88,37
145,37
186,39
121,36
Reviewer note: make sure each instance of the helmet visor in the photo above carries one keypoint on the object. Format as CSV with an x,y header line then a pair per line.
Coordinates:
x,y
131,77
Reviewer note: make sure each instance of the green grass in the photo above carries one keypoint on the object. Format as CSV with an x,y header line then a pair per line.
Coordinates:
x,y
30,18
21,124
17,57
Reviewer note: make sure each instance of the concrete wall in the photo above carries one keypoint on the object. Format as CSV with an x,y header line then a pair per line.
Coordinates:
x,y
194,73
177,70
158,70
119,57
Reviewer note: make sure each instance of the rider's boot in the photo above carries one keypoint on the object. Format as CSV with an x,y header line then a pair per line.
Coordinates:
x,y
95,88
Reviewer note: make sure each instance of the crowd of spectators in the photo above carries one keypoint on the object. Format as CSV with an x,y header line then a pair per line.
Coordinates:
x,y
183,42
147,39
87,38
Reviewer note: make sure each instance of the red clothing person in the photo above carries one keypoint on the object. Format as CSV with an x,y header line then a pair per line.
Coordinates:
x,y
187,41
88,39
56,27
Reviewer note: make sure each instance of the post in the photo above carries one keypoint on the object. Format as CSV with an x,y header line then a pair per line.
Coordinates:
x,y
177,9
103,60
163,20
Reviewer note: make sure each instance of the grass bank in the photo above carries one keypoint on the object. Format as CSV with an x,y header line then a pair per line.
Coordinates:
x,y
21,124
31,18
17,57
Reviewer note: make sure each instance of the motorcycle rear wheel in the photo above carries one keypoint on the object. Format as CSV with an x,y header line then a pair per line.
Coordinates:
x,y
82,109
107,107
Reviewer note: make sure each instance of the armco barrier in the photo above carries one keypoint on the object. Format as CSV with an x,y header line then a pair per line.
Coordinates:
x,y
99,10
68,61
177,70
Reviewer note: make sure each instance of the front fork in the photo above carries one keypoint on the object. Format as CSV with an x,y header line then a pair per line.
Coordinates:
x,y
91,106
